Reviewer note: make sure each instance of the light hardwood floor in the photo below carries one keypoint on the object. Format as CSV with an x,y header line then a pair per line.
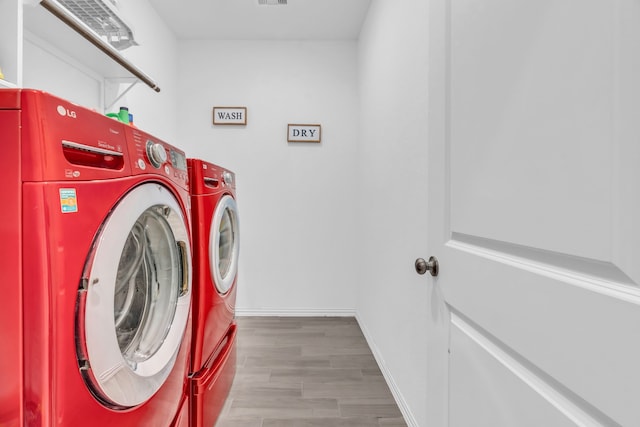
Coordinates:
x,y
306,371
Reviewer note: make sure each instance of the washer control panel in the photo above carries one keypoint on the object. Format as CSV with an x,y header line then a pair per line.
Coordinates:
x,y
152,155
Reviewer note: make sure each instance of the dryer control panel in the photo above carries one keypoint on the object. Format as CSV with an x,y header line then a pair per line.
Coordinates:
x,y
209,178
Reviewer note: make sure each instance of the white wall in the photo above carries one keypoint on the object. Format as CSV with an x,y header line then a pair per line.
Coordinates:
x,y
296,201
392,299
157,55
46,67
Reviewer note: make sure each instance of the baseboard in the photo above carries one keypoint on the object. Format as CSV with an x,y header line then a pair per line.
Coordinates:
x,y
397,395
295,312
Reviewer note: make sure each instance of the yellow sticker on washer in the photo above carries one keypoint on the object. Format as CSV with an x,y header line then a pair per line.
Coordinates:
x,y
68,200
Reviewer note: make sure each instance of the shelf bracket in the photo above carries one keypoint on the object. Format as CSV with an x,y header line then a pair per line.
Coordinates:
x,y
108,106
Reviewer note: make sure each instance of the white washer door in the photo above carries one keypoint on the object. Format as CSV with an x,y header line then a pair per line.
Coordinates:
x,y
138,296
224,244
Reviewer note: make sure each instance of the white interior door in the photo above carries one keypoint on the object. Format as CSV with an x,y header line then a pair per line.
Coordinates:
x,y
534,189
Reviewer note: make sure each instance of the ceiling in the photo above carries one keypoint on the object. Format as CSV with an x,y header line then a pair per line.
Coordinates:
x,y
247,20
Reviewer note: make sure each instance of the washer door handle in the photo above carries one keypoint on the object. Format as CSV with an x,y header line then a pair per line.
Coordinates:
x,y
184,267
431,266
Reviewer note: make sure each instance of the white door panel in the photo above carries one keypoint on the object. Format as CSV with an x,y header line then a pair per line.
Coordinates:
x,y
523,86
500,391
582,333
535,184
626,197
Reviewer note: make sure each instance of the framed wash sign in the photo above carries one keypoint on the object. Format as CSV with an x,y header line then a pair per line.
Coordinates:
x,y
304,133
229,115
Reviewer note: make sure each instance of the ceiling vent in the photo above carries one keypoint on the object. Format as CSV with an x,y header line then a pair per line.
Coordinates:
x,y
272,2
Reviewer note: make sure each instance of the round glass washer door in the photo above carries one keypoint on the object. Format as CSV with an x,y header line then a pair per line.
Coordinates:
x,y
138,296
224,244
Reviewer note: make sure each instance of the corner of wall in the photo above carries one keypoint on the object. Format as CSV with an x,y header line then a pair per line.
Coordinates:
x,y
409,418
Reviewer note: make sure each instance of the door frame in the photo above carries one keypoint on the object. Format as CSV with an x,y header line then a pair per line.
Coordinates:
x,y
438,205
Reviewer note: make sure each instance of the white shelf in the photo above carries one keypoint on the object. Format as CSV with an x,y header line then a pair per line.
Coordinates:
x,y
6,84
78,42
52,27
41,23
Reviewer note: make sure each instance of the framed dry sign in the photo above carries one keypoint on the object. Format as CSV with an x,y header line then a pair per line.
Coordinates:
x,y
229,115
304,133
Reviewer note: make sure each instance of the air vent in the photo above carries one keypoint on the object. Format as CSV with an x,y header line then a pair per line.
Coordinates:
x,y
272,2
103,18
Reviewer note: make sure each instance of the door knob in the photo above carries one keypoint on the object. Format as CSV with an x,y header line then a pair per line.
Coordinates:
x,y
423,266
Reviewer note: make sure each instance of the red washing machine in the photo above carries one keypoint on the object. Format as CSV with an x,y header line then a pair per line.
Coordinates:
x,y
96,309
215,264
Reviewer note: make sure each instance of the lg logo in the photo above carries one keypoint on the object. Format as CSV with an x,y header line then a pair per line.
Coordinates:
x,y
64,112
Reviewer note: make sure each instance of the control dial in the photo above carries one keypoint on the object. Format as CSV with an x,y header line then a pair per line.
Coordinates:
x,y
156,153
227,178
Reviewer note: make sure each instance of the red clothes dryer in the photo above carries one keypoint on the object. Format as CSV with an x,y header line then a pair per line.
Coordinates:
x,y
99,287
215,265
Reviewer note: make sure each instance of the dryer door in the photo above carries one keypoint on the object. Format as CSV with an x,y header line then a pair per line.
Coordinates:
x,y
224,244
133,316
